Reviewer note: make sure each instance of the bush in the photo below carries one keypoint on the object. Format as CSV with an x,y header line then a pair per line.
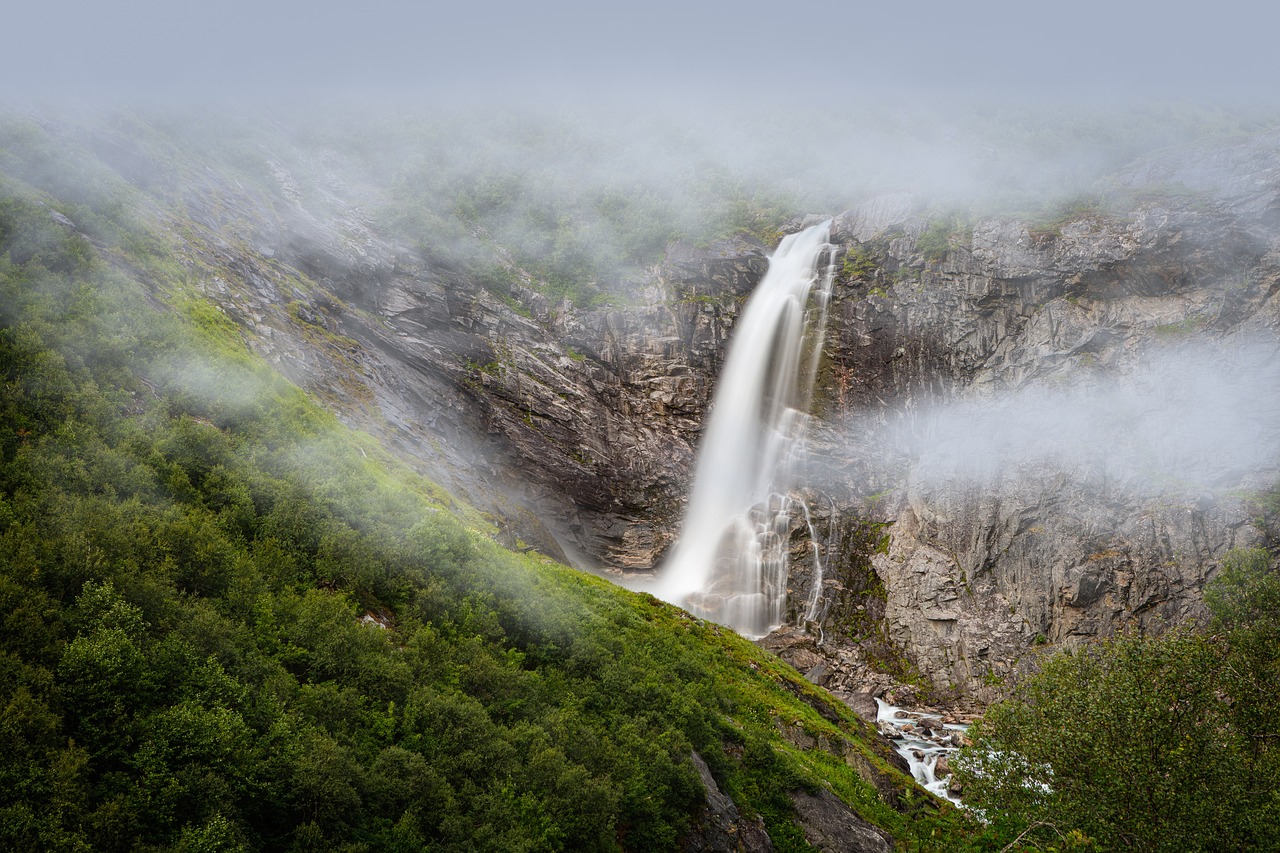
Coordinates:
x,y
1146,743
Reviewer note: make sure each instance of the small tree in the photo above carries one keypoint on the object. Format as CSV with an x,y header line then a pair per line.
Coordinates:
x,y
1146,743
1246,593
1128,742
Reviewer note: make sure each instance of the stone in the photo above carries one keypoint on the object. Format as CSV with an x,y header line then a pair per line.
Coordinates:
x,y
832,827
863,704
721,828
819,674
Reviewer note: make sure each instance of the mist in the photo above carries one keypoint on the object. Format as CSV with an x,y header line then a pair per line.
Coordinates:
x,y
1196,420
988,104
596,192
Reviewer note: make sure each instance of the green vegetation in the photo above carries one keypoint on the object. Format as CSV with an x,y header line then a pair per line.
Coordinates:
x,y
858,264
1174,194
942,234
734,211
1180,329
1268,518
584,245
1049,225
227,627
1146,743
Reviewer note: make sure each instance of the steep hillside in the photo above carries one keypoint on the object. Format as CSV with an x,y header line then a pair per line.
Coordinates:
x,y
232,623
428,314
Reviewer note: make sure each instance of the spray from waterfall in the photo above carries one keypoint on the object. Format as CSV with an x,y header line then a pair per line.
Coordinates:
x,y
731,562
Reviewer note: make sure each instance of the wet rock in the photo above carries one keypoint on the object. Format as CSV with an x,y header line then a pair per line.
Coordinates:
x,y
833,827
819,674
721,827
863,704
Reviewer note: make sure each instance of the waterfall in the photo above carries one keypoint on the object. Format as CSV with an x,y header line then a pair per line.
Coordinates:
x,y
731,561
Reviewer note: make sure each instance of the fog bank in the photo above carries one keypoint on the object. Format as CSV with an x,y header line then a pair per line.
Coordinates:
x,y
1190,420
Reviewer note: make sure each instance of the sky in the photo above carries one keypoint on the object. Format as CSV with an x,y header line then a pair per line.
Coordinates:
x,y
593,51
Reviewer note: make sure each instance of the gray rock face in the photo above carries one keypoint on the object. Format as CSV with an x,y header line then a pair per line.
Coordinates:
x,y
721,827
574,431
979,571
833,827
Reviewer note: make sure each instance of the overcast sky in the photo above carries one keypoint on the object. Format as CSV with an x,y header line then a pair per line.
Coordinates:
x,y
133,49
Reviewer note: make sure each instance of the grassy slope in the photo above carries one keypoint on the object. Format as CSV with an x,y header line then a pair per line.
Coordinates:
x,y
187,545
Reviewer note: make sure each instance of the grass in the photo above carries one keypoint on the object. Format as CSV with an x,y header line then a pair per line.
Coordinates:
x,y
944,233
858,265
1048,226
1180,328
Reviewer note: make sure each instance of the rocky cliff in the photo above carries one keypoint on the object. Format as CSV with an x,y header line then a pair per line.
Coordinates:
x,y
973,573
574,430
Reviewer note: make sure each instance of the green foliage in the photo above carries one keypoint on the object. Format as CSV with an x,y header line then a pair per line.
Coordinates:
x,y
1245,602
1179,329
858,264
588,246
1265,506
942,234
188,549
575,245
1172,194
1049,225
1246,593
1135,743
1270,501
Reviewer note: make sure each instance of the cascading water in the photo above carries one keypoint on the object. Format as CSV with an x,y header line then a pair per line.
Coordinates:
x,y
730,564
924,741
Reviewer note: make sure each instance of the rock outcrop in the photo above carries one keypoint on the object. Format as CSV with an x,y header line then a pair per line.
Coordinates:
x,y
978,572
721,827
832,827
574,431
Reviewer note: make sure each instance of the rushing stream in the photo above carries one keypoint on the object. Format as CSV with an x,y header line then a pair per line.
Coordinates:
x,y
925,741
730,563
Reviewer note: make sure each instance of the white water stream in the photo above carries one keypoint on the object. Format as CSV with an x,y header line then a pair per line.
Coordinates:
x,y
730,564
922,739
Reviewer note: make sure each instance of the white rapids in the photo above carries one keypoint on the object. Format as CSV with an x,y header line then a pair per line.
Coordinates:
x,y
924,741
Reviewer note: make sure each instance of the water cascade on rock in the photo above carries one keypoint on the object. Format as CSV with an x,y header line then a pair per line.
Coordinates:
x,y
730,564
926,742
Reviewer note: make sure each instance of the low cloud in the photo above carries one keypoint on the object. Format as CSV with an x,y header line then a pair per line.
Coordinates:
x,y
1199,418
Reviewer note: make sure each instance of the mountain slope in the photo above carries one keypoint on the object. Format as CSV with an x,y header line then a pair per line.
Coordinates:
x,y
232,623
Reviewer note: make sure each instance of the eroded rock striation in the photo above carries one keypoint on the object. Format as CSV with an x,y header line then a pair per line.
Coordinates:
x,y
574,430
979,571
